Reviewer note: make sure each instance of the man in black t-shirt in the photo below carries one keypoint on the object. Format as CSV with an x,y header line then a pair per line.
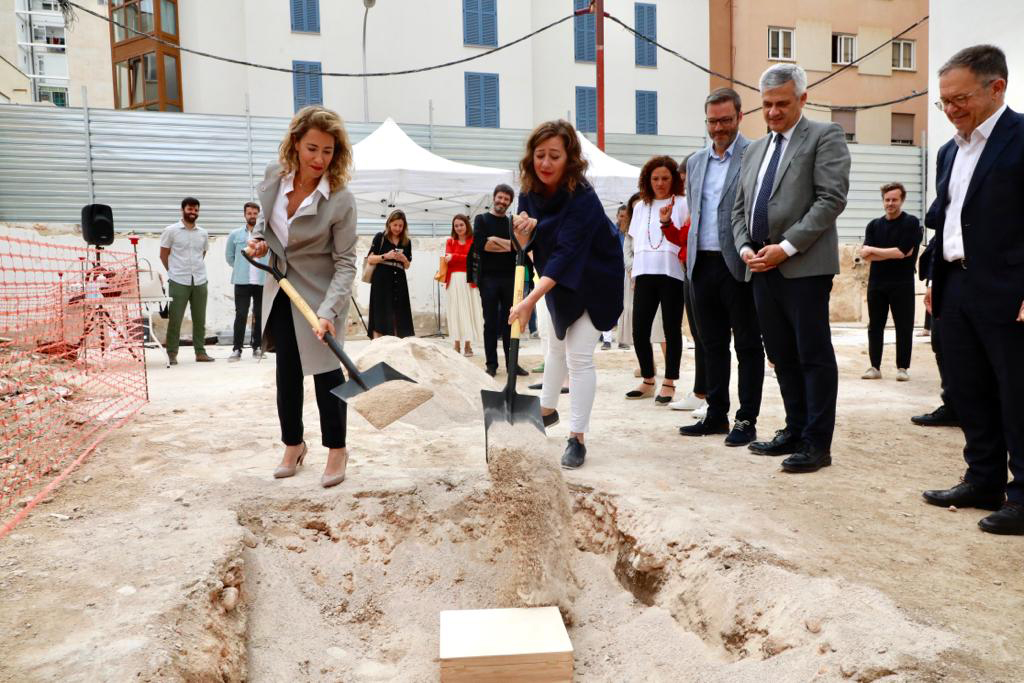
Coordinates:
x,y
496,275
890,246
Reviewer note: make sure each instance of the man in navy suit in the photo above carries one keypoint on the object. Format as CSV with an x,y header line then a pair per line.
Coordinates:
x,y
977,291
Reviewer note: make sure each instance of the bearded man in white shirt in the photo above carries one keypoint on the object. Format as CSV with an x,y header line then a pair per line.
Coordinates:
x,y
183,248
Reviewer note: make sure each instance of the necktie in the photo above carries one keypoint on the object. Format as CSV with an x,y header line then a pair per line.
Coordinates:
x,y
759,224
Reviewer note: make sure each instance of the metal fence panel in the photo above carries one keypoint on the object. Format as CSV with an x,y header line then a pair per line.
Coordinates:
x,y
144,163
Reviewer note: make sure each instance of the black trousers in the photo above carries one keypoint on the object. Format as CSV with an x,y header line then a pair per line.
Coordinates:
x,y
700,372
725,310
496,299
649,292
985,380
899,298
794,322
243,295
333,411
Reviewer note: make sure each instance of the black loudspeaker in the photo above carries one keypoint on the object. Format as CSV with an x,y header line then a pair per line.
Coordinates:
x,y
98,224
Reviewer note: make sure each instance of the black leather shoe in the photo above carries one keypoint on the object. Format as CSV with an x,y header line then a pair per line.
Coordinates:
x,y
574,454
491,370
1009,521
520,371
743,433
965,495
943,416
784,443
705,427
808,459
550,420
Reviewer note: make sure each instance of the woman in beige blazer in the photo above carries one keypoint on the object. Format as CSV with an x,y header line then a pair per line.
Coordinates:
x,y
308,222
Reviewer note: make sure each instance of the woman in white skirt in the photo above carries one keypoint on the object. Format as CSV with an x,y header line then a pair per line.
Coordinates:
x,y
465,314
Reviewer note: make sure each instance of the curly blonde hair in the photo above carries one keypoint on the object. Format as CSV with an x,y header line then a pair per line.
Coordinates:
x,y
339,171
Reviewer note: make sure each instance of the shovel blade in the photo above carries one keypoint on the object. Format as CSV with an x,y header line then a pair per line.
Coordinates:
x,y
375,376
513,408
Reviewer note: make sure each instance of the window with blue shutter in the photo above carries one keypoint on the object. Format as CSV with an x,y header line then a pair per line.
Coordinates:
x,y
646,25
584,33
480,22
306,16
307,84
482,110
586,109
646,112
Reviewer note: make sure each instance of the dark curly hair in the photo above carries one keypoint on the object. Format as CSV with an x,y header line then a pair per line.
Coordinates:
x,y
644,184
575,164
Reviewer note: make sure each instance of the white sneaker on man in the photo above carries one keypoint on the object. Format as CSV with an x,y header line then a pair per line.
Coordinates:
x,y
902,375
690,402
872,373
235,356
702,412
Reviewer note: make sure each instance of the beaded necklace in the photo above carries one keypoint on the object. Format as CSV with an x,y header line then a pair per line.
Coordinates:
x,y
650,242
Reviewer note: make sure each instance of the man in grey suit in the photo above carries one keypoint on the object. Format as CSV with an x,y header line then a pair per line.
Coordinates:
x,y
793,186
719,288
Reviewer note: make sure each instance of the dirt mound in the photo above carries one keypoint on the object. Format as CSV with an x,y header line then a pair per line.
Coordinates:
x,y
532,515
454,380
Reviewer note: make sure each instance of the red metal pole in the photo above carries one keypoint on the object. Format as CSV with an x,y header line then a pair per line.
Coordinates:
x,y
598,7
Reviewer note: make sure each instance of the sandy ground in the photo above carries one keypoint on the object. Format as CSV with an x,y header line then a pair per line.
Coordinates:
x,y
173,555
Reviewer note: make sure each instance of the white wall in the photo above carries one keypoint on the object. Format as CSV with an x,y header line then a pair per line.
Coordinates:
x,y
537,78
956,24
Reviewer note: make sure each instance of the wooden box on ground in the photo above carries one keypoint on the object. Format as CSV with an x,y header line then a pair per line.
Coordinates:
x,y
529,645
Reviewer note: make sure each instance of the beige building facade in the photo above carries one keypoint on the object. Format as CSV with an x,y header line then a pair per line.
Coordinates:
x,y
45,60
748,36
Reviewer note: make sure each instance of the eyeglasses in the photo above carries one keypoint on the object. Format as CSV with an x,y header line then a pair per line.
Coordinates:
x,y
959,100
724,121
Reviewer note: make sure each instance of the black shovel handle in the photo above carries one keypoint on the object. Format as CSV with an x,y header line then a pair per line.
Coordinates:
x,y
311,317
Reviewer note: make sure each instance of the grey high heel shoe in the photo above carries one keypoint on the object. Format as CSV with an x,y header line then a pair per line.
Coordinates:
x,y
335,479
283,472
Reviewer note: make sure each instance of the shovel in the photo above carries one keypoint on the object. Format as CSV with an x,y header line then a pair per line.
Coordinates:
x,y
359,382
507,405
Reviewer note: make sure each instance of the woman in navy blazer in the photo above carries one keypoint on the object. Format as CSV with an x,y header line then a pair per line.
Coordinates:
x,y
580,263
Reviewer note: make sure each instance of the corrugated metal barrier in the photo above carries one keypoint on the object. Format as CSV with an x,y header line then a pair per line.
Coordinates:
x,y
144,163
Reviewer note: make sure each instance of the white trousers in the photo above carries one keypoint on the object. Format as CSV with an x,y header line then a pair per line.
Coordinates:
x,y
572,356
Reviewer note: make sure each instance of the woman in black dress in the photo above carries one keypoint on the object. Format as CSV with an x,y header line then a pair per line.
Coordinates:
x,y
391,252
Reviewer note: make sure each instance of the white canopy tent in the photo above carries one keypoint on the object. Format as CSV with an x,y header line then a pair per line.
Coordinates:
x,y
392,172
613,180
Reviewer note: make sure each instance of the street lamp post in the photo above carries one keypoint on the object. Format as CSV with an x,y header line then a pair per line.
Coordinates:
x,y
366,90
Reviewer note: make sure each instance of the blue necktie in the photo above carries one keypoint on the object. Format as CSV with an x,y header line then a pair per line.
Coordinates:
x,y
759,226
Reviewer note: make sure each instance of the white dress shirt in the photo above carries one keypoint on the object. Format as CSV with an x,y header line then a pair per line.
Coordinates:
x,y
280,223
653,254
967,156
786,136
185,263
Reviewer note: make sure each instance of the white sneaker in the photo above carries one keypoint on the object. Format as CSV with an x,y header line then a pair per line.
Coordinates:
x,y
872,373
702,412
902,375
235,356
691,402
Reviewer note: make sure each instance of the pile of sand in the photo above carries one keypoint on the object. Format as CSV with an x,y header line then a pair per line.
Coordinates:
x,y
533,527
454,379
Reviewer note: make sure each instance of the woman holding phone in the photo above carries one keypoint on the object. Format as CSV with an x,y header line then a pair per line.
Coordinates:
x,y
391,252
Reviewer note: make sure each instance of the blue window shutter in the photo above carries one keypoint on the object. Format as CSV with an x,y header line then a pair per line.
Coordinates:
x,y
646,20
584,34
646,112
300,85
298,15
586,109
307,84
471,22
312,16
491,110
488,22
474,100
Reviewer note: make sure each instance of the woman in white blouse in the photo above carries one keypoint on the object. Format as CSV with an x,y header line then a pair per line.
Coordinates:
x,y
657,275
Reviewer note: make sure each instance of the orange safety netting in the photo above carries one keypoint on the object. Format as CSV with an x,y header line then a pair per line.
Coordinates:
x,y
72,365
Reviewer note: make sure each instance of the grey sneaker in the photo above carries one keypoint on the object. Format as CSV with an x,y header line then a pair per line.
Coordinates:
x,y
872,373
902,375
235,356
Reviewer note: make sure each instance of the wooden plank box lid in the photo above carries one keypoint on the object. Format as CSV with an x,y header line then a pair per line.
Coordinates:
x,y
529,644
